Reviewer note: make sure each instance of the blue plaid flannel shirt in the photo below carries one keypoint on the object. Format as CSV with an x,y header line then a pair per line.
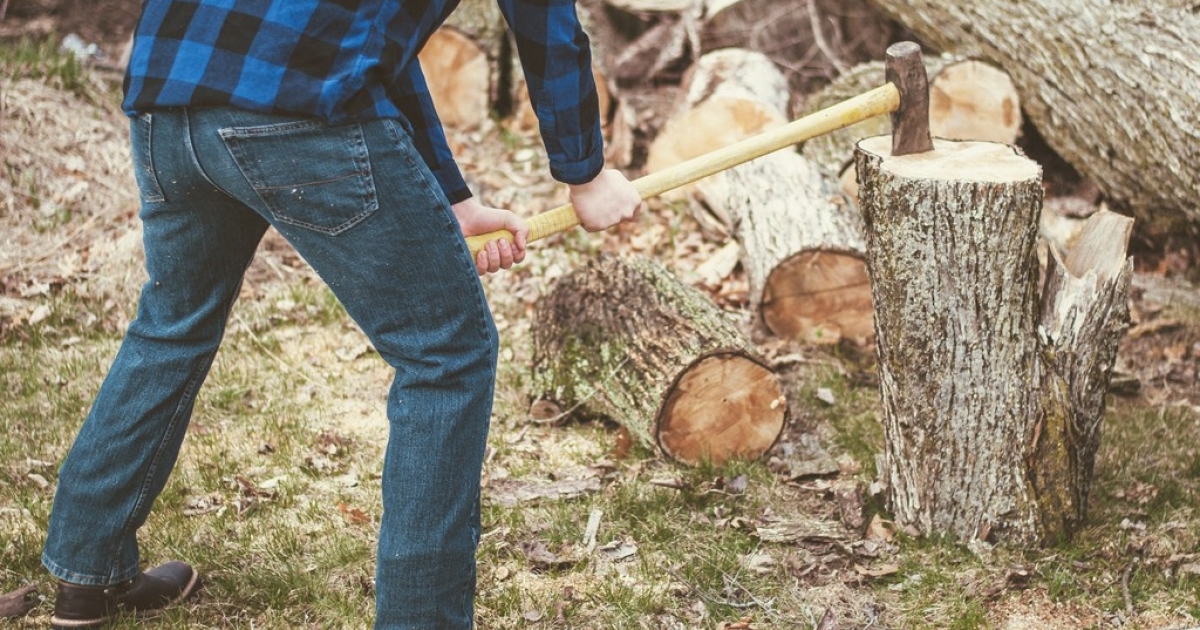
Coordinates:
x,y
345,60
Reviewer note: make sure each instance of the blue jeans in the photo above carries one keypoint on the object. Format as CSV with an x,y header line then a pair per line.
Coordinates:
x,y
359,205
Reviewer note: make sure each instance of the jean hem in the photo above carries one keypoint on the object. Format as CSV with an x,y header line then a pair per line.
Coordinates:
x,y
85,579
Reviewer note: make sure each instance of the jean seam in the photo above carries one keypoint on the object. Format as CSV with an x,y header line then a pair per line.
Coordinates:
x,y
191,151
154,193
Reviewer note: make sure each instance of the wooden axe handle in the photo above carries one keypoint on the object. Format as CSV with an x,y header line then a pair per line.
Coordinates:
x,y
881,100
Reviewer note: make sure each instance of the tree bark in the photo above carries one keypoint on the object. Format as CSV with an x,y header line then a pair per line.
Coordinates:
x,y
1113,87
622,338
802,247
992,402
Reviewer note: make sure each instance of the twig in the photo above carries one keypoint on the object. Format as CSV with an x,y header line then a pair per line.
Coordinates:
x,y
1126,576
593,526
3,9
819,36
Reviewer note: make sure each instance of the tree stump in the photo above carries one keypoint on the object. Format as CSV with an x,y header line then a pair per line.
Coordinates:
x,y
991,400
802,247
624,339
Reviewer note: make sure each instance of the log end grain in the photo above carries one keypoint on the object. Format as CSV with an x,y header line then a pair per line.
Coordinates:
x,y
713,124
819,296
725,406
966,161
457,71
974,100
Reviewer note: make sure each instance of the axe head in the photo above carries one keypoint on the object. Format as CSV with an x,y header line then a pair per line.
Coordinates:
x,y
910,122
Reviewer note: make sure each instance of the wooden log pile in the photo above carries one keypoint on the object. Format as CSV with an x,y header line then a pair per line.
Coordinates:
x,y
992,390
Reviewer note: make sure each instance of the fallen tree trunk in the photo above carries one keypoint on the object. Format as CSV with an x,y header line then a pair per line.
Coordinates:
x,y
1113,87
802,247
623,339
992,402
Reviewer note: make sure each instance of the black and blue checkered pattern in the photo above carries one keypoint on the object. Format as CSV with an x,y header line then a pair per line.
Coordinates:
x,y
343,60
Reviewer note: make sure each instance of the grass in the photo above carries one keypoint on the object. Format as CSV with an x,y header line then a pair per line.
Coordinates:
x,y
276,495
268,487
42,60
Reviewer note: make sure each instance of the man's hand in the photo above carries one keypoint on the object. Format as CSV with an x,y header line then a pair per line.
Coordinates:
x,y
476,218
605,201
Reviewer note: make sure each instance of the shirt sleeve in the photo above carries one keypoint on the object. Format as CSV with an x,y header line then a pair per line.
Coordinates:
x,y
411,94
556,58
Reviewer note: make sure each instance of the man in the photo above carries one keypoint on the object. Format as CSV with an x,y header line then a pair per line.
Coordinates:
x,y
312,117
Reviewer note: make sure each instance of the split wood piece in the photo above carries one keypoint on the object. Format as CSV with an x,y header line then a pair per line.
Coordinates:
x,y
458,73
802,248
968,100
18,603
1114,88
729,95
622,338
468,65
989,397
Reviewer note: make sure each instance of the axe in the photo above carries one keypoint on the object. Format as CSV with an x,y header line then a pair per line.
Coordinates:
x,y
905,96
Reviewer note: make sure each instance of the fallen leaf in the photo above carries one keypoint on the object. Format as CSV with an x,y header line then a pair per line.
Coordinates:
x,y
353,515
40,313
880,530
619,550
542,558
879,571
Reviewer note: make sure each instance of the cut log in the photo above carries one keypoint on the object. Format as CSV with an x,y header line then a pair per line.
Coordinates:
x,y
467,64
459,75
729,95
18,603
992,402
968,100
802,248
624,339
1113,87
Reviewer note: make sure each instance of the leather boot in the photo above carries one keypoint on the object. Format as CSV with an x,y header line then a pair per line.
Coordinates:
x,y
147,594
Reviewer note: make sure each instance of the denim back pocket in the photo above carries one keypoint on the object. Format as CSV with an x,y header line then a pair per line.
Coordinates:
x,y
308,173
140,135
